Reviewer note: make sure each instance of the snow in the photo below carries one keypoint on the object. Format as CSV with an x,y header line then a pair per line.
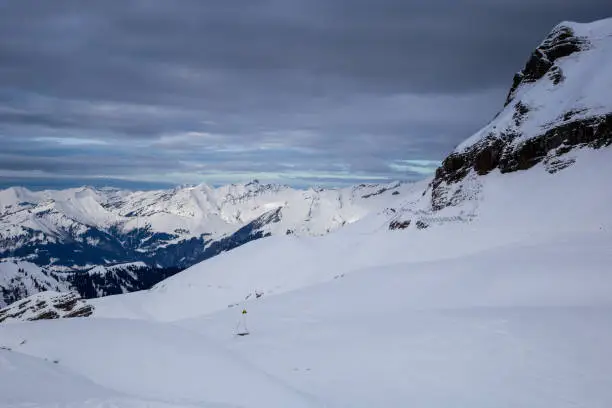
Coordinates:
x,y
161,362
480,331
34,382
185,212
520,325
584,89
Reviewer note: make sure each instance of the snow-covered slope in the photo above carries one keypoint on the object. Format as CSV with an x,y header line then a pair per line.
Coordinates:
x,y
22,279
36,382
565,80
524,324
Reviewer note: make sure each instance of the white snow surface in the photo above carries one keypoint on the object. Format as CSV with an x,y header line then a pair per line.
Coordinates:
x,y
35,382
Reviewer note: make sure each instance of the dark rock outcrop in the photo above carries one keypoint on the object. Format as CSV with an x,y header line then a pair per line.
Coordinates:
x,y
561,42
47,305
399,224
499,153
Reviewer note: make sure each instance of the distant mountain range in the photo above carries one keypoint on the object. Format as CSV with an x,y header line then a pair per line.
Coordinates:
x,y
109,241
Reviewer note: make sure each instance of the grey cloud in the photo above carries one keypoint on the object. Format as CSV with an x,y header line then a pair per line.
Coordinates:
x,y
321,85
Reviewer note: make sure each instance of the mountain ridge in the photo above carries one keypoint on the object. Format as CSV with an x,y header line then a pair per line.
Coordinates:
x,y
557,105
75,230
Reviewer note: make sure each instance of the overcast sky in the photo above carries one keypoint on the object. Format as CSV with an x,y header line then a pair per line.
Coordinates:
x,y
150,93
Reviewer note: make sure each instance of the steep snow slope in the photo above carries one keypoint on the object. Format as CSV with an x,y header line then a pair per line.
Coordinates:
x,y
558,104
565,80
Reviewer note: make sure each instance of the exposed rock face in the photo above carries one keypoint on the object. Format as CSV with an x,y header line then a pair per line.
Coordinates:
x,y
500,153
47,305
396,224
555,105
559,103
561,42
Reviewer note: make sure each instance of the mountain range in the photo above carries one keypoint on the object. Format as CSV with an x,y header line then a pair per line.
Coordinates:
x,y
109,241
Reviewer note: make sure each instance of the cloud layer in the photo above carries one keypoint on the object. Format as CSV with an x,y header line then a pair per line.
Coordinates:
x,y
295,91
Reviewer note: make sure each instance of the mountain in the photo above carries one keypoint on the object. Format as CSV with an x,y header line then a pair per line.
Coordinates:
x,y
557,107
494,182
80,228
495,290
108,241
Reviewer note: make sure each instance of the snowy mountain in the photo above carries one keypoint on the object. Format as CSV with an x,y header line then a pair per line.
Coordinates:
x,y
126,241
558,106
81,228
460,211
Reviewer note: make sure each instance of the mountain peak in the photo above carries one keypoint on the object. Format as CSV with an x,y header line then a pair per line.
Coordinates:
x,y
558,102
561,42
